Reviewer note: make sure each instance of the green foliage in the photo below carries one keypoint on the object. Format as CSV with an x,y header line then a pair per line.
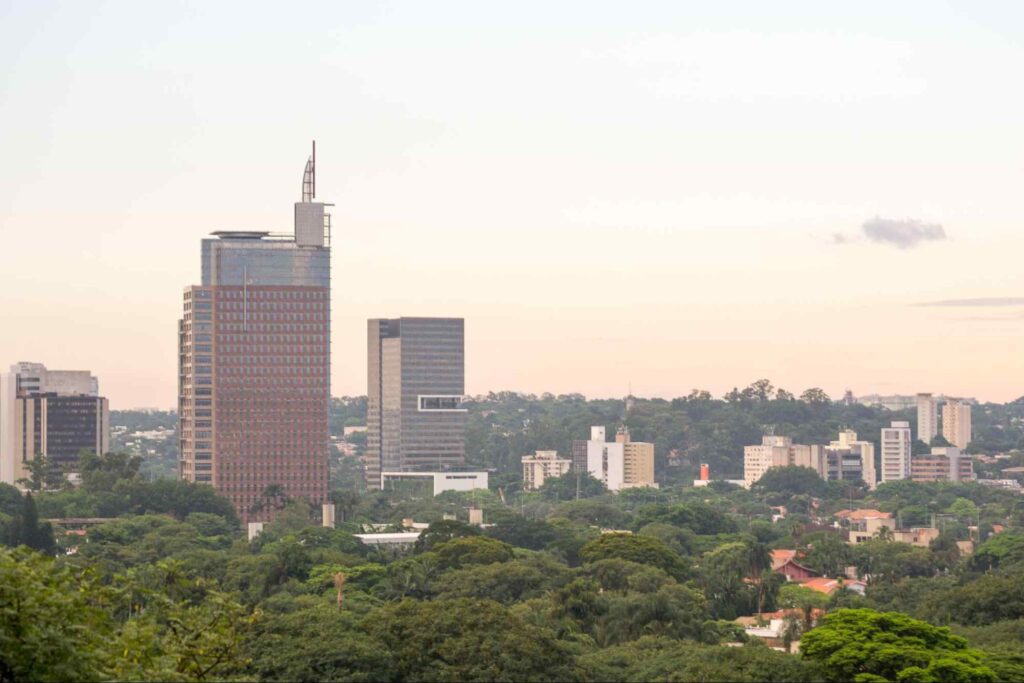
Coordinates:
x,y
666,659
470,550
465,640
640,549
49,630
864,645
571,486
792,481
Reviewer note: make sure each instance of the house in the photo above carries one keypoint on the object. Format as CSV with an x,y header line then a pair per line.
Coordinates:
x,y
784,562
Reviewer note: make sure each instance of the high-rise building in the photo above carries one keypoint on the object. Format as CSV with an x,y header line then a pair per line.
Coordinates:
x,y
620,464
896,449
851,459
780,451
541,466
54,413
416,384
956,422
944,463
254,362
927,417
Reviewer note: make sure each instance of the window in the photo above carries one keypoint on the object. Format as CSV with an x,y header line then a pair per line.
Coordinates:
x,y
441,403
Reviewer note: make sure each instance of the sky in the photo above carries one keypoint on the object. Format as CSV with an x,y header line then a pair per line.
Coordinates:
x,y
648,196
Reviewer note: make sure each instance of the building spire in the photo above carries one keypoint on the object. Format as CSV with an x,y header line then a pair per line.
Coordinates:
x,y
309,177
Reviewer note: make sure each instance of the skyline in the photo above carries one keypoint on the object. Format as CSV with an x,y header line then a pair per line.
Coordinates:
x,y
668,199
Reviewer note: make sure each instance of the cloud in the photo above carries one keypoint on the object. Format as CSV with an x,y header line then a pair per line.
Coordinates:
x,y
903,234
979,302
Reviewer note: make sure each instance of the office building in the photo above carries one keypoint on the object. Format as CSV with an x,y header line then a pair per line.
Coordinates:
x,y
54,413
944,463
622,463
896,448
541,466
780,451
254,362
416,383
956,422
927,418
849,459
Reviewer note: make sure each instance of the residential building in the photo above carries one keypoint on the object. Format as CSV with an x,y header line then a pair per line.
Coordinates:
x,y
416,383
849,459
638,460
945,463
622,463
956,422
254,359
541,466
785,562
54,413
780,451
896,448
927,418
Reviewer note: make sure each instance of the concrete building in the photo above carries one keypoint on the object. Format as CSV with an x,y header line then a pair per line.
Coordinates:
x,y
620,464
254,362
849,459
896,449
927,418
780,451
638,460
54,413
416,383
956,422
945,463
541,466
439,481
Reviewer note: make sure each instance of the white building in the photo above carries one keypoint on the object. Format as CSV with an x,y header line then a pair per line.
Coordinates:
x,y
442,481
541,466
956,422
780,451
927,417
896,448
605,461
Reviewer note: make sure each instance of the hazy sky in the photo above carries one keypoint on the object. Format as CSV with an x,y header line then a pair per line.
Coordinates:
x,y
664,194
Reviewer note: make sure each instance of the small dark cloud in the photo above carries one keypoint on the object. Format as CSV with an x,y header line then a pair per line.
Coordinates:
x,y
986,302
903,234
839,238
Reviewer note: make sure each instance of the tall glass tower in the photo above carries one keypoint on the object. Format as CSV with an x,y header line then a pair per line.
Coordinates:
x,y
254,363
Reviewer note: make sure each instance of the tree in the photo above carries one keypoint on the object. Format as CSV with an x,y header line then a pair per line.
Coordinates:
x,y
665,659
867,646
816,396
522,533
465,640
33,534
567,486
470,550
640,549
795,596
43,474
444,530
792,481
828,554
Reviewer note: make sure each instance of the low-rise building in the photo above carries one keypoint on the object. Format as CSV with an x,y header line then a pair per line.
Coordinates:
x,y
780,451
945,463
541,466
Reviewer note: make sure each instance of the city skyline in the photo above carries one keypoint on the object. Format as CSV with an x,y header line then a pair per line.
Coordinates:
x,y
636,202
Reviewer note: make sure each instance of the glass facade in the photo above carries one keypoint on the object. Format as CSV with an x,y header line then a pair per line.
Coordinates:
x,y
416,378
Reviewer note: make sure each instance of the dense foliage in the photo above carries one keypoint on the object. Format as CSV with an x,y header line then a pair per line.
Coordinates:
x,y
567,583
